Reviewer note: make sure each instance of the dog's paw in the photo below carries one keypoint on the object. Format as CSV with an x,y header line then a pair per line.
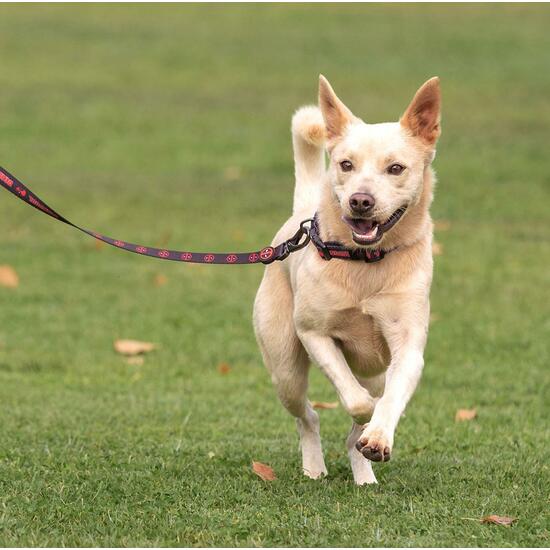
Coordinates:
x,y
374,445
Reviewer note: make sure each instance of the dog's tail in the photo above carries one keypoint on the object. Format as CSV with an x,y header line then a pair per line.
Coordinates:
x,y
308,140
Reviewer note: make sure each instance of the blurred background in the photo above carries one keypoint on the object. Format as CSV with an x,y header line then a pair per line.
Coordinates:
x,y
169,125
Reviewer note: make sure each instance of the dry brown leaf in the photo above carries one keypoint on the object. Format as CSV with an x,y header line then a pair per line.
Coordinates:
x,y
264,471
232,173
132,347
442,225
8,277
437,248
224,368
498,520
160,279
324,404
465,414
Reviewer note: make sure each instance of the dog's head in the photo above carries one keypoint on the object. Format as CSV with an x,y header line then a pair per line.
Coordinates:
x,y
376,171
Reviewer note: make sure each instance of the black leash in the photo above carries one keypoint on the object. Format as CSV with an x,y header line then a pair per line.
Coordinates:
x,y
265,255
327,249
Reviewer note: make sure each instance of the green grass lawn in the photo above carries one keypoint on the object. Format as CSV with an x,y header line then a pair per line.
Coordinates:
x,y
169,125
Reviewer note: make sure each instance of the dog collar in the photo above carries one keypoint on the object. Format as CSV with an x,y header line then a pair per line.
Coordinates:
x,y
333,249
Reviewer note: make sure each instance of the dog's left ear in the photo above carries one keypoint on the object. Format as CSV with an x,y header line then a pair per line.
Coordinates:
x,y
422,117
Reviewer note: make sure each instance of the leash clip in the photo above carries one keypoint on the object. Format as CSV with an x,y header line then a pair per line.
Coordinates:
x,y
296,242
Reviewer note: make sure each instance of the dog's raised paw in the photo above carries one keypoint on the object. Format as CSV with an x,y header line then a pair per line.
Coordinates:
x,y
374,451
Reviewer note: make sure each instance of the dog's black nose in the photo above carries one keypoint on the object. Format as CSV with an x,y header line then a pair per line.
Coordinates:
x,y
361,203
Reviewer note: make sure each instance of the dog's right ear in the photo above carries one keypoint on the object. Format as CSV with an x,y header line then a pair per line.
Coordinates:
x,y
422,117
335,114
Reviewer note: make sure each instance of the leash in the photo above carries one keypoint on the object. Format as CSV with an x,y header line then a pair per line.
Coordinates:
x,y
266,255
327,249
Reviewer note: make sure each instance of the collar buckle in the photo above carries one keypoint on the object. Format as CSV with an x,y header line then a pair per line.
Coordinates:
x,y
320,245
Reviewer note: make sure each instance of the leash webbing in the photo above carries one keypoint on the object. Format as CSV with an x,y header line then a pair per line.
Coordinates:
x,y
265,255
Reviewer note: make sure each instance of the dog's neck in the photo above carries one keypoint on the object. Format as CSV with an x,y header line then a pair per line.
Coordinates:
x,y
415,225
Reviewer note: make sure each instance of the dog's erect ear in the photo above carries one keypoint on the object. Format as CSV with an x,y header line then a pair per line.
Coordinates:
x,y
335,114
422,117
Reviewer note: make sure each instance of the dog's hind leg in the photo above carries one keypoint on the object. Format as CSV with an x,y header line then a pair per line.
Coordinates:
x,y
288,363
360,466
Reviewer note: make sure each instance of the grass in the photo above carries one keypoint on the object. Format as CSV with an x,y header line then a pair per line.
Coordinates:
x,y
169,125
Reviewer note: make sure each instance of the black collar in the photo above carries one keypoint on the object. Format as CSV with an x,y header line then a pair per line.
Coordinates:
x,y
332,249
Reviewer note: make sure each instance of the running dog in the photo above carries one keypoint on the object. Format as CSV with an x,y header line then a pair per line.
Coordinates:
x,y
363,316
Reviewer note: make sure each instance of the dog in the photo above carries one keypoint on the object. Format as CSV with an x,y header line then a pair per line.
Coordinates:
x,y
364,324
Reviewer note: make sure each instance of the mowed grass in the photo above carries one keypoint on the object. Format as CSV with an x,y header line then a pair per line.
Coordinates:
x,y
169,125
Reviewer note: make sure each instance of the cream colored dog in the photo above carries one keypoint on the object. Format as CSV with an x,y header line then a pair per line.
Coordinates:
x,y
364,324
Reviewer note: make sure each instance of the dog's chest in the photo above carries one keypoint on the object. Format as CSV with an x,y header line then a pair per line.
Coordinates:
x,y
345,319
334,302
361,340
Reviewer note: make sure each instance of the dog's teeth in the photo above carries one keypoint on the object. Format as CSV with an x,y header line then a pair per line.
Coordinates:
x,y
372,233
369,235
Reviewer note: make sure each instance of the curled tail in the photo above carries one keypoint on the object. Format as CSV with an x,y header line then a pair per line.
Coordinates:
x,y
308,140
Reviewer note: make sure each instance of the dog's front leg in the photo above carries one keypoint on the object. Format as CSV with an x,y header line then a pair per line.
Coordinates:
x,y
404,324
355,399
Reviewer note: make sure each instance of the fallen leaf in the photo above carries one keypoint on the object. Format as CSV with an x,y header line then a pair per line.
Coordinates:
x,y
132,347
8,277
465,414
264,471
224,368
211,454
324,404
135,360
437,248
232,173
498,520
160,279
442,225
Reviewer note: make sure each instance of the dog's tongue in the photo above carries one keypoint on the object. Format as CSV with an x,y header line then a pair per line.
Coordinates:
x,y
363,226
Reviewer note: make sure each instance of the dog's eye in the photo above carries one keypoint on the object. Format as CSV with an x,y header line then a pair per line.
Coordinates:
x,y
395,169
346,166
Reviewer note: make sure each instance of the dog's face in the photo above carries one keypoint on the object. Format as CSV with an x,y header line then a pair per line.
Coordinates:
x,y
376,170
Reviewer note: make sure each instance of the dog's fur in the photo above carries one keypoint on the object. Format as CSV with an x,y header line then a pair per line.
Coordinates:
x,y
364,324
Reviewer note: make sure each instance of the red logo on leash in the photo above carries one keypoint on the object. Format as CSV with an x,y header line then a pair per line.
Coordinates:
x,y
266,253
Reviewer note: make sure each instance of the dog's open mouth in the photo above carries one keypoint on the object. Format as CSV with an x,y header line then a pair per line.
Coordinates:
x,y
370,231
